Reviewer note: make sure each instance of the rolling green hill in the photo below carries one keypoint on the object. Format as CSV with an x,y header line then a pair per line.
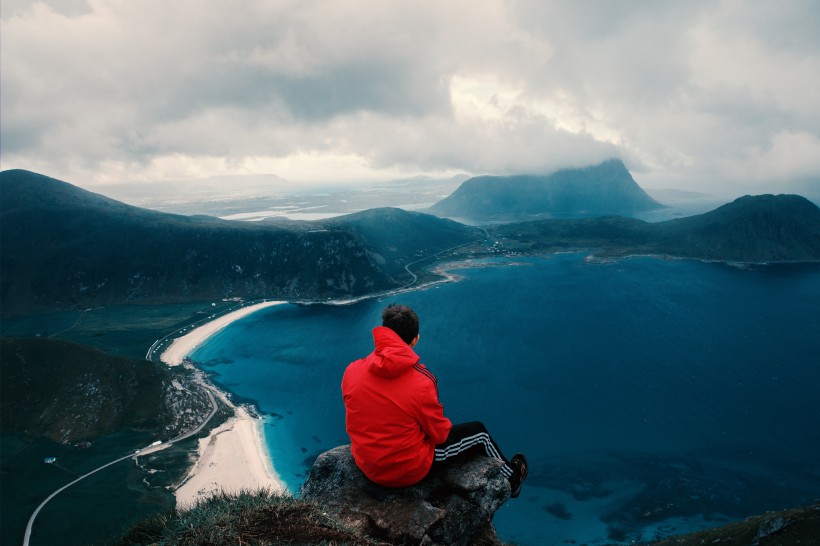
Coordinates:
x,y
63,247
400,236
763,228
69,392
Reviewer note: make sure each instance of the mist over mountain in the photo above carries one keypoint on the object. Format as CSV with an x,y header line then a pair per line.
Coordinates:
x,y
64,247
603,189
234,198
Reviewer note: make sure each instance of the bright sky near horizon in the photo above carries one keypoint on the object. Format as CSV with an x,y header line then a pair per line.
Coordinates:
x,y
691,94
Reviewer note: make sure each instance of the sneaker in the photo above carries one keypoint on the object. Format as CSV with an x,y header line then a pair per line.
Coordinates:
x,y
519,465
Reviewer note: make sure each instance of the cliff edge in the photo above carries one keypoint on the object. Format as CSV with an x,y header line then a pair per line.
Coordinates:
x,y
451,507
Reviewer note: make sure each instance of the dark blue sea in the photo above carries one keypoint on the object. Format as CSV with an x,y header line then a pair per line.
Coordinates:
x,y
652,397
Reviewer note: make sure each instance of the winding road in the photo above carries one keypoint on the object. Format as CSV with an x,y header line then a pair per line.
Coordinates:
x,y
416,278
144,451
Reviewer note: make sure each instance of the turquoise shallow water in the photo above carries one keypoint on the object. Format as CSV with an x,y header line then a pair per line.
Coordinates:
x,y
651,396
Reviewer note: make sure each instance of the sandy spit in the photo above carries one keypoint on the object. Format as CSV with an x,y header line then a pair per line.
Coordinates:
x,y
233,457
185,345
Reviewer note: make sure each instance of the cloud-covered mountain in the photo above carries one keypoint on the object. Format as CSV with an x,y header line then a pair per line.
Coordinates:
x,y
606,188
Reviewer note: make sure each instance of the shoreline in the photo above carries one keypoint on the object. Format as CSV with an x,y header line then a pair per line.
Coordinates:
x,y
233,457
182,346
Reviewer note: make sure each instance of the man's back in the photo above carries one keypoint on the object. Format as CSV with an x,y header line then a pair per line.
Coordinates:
x,y
394,418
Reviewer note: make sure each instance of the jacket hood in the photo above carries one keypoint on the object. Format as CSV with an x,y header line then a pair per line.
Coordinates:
x,y
392,356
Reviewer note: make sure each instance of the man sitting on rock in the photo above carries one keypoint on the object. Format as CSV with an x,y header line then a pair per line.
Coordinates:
x,y
397,428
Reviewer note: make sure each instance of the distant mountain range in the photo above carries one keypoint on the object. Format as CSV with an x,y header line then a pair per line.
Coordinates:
x,y
62,247
763,228
65,247
603,189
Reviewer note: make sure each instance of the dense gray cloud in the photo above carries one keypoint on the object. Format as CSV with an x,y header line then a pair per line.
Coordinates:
x,y
696,94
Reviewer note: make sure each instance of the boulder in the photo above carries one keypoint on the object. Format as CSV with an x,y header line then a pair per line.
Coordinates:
x,y
454,506
771,526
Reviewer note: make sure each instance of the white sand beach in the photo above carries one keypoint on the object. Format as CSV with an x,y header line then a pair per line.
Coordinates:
x,y
183,346
233,457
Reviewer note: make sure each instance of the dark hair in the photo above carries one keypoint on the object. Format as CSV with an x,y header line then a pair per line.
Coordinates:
x,y
402,320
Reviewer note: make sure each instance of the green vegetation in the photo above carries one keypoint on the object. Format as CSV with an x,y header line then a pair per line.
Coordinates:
x,y
765,228
91,511
70,393
264,518
86,408
124,330
252,518
761,228
796,527
399,237
66,248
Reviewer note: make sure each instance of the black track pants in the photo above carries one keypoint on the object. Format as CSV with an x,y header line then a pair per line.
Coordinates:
x,y
467,440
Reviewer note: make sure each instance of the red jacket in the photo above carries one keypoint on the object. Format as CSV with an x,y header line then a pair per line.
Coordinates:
x,y
394,418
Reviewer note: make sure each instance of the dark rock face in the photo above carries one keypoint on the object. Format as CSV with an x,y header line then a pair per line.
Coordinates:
x,y
454,506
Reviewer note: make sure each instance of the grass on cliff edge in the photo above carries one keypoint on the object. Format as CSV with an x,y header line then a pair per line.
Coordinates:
x,y
794,527
251,518
264,518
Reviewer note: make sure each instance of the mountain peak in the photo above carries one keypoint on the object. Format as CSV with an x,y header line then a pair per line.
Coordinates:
x,y
773,201
596,190
780,208
762,228
22,189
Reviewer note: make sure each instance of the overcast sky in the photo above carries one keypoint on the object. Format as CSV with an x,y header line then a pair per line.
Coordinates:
x,y
690,94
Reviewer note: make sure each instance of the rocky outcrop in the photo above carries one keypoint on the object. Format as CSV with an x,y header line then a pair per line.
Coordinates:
x,y
454,506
